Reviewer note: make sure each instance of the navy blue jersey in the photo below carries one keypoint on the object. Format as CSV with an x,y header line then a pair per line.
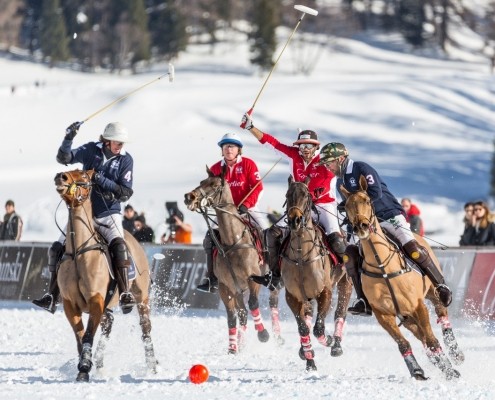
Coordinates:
x,y
117,170
385,204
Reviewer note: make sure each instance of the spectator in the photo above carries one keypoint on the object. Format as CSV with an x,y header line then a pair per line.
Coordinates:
x,y
468,214
180,231
481,229
412,216
143,234
128,220
12,223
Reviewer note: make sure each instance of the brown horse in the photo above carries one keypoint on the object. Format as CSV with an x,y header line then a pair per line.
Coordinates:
x,y
84,276
309,273
237,258
395,290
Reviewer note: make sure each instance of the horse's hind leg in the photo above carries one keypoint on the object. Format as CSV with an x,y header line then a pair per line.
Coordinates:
x,y
344,290
274,311
229,301
323,301
106,327
449,338
145,322
388,323
254,307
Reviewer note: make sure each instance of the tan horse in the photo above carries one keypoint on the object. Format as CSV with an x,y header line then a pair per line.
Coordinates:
x,y
395,290
84,276
237,257
309,274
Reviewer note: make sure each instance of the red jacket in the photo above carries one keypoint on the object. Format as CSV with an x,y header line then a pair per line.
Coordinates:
x,y
241,177
415,220
319,185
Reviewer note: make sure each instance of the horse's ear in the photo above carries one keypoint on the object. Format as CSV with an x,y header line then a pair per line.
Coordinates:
x,y
290,180
90,173
306,181
345,193
224,172
208,171
363,183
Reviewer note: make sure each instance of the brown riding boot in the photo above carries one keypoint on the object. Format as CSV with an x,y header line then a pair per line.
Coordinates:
x,y
421,257
273,238
49,300
210,283
353,261
121,263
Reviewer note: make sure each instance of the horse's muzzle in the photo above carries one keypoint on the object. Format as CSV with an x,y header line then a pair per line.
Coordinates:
x,y
190,201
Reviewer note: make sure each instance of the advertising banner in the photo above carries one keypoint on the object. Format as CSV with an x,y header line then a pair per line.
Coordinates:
x,y
480,295
14,261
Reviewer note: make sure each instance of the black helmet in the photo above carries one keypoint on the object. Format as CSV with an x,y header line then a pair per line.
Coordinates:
x,y
307,136
331,151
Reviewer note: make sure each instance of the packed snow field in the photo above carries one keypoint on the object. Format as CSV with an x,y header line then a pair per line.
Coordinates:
x,y
425,124
39,361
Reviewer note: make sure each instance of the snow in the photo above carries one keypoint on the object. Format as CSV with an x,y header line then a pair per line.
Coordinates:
x,y
425,124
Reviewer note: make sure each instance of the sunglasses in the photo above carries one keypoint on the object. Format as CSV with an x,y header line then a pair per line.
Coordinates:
x,y
306,146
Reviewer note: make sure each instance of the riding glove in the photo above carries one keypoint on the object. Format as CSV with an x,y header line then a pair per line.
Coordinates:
x,y
71,131
243,209
247,121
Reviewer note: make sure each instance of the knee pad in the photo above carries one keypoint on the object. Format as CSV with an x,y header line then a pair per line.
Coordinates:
x,y
208,243
55,253
118,249
352,258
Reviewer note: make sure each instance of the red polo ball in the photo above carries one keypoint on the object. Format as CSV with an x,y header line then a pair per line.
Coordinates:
x,y
198,374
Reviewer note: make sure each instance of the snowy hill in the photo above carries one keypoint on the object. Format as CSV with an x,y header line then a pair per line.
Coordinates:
x,y
425,124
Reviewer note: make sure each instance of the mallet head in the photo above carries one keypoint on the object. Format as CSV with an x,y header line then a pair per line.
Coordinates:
x,y
306,10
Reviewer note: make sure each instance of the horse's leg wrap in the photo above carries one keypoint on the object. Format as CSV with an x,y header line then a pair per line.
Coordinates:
x,y
455,353
339,328
121,263
275,320
258,322
423,260
412,365
306,348
233,341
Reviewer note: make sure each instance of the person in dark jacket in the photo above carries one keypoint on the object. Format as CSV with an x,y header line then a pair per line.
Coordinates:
x,y
143,234
481,230
11,228
391,217
412,216
112,185
128,220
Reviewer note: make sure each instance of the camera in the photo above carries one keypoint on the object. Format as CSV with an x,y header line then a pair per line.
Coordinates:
x,y
173,210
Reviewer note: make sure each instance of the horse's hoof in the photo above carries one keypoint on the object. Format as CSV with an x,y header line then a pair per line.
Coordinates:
x,y
310,365
232,351
263,336
336,350
301,354
420,376
280,340
452,374
82,377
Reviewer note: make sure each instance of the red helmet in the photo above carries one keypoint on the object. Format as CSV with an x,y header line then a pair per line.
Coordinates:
x,y
307,136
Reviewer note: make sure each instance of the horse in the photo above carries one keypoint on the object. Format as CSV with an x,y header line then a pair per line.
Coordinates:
x,y
85,281
309,273
237,258
395,290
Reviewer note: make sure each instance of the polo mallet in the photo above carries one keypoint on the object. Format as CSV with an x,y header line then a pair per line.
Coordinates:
x,y
257,183
305,10
170,74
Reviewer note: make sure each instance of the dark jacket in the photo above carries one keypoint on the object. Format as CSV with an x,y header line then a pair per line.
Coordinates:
x,y
145,235
479,237
11,228
128,225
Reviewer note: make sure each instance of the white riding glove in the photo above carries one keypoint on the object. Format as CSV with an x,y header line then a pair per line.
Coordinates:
x,y
247,122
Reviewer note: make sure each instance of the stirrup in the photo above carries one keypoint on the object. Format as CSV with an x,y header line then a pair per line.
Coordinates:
x,y
209,286
444,294
360,308
46,303
127,302
269,280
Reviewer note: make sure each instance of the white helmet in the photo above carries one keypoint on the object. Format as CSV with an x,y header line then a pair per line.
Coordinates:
x,y
116,132
230,138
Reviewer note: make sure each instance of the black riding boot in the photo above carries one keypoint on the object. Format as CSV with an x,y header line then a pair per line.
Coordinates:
x,y
352,265
337,244
422,258
121,263
49,300
273,239
210,284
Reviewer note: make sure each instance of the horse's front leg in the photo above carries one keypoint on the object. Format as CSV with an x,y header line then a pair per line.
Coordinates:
x,y
96,306
455,352
323,301
145,322
344,291
74,316
306,351
229,301
106,327
254,307
274,312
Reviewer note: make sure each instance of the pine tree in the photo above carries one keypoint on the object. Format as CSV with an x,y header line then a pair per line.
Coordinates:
x,y
411,20
54,40
265,22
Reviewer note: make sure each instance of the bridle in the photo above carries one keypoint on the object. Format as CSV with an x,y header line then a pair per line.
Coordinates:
x,y
77,192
